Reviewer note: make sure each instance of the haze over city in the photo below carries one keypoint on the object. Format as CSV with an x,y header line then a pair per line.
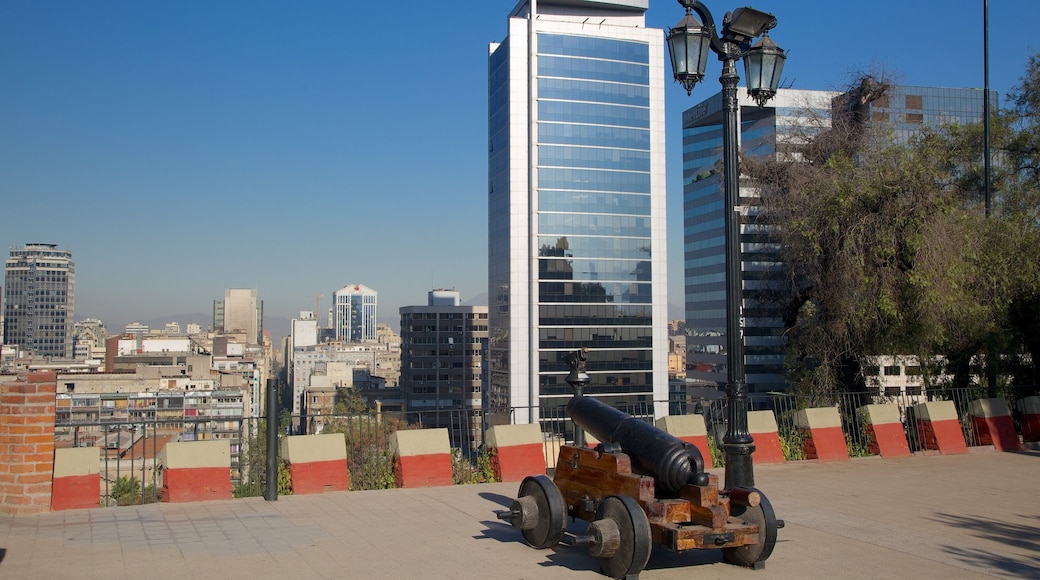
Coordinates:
x,y
179,149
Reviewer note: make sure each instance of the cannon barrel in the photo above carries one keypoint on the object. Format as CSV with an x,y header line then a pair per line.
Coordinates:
x,y
672,463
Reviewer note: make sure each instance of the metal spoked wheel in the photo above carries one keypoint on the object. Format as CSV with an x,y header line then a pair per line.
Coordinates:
x,y
754,555
539,512
622,539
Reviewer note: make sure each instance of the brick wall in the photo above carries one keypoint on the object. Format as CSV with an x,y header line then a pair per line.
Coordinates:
x,y
26,442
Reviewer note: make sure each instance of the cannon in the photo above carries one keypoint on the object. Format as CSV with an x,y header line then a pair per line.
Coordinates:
x,y
639,487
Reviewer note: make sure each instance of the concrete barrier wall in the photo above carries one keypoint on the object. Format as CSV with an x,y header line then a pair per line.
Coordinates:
x,y
991,419
885,434
939,428
77,478
196,470
317,463
1030,407
692,430
762,428
516,451
422,457
824,438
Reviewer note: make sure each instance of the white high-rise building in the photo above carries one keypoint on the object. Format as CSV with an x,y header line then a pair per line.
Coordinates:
x,y
576,207
354,309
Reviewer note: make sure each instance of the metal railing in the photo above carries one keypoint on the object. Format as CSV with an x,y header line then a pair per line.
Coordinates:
x,y
130,473
784,407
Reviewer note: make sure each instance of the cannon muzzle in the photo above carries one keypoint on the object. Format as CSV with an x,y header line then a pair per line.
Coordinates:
x,y
673,463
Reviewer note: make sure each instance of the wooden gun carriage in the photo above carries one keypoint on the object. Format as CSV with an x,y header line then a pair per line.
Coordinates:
x,y
641,486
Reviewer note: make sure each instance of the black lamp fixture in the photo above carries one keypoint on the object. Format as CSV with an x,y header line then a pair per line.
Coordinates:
x,y
688,44
763,64
690,41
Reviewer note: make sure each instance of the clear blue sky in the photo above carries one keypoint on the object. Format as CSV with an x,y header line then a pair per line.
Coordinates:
x,y
180,148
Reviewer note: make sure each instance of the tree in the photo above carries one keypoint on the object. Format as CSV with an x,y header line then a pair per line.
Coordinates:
x,y
1020,209
885,248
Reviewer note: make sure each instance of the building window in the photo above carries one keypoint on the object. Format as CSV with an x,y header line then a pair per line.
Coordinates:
x,y
892,371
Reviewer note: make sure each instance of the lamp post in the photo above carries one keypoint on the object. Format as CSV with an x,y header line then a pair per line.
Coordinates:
x,y
688,44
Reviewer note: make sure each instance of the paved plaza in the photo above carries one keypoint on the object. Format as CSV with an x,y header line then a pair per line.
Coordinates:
x,y
942,517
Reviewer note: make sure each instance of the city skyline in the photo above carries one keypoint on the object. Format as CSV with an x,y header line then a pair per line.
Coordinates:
x,y
180,150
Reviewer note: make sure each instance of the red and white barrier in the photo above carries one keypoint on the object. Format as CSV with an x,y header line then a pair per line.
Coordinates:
x,y
885,434
763,429
77,481
317,463
691,429
422,457
939,427
516,451
824,439
196,470
991,419
1030,407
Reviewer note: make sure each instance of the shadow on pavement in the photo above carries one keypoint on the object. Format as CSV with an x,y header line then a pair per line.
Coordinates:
x,y
1019,535
497,498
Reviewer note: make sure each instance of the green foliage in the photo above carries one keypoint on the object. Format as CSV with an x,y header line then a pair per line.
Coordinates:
x,y
349,402
887,248
127,491
856,448
792,444
258,486
284,478
465,470
718,458
369,457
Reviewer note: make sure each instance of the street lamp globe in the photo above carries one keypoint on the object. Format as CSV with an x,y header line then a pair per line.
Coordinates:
x,y
689,45
763,64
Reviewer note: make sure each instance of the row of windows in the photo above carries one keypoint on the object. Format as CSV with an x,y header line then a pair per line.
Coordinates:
x,y
599,225
594,158
588,247
593,47
593,135
598,70
703,244
597,114
595,292
410,331
593,269
571,315
590,202
444,315
594,92
593,180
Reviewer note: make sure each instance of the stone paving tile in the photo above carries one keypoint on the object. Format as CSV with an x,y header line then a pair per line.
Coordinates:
x,y
937,517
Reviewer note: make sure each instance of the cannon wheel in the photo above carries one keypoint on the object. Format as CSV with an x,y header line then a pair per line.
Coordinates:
x,y
633,549
754,555
550,512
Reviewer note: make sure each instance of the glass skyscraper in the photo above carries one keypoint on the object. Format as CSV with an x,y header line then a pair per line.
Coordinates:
x,y
576,207
38,307
765,132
